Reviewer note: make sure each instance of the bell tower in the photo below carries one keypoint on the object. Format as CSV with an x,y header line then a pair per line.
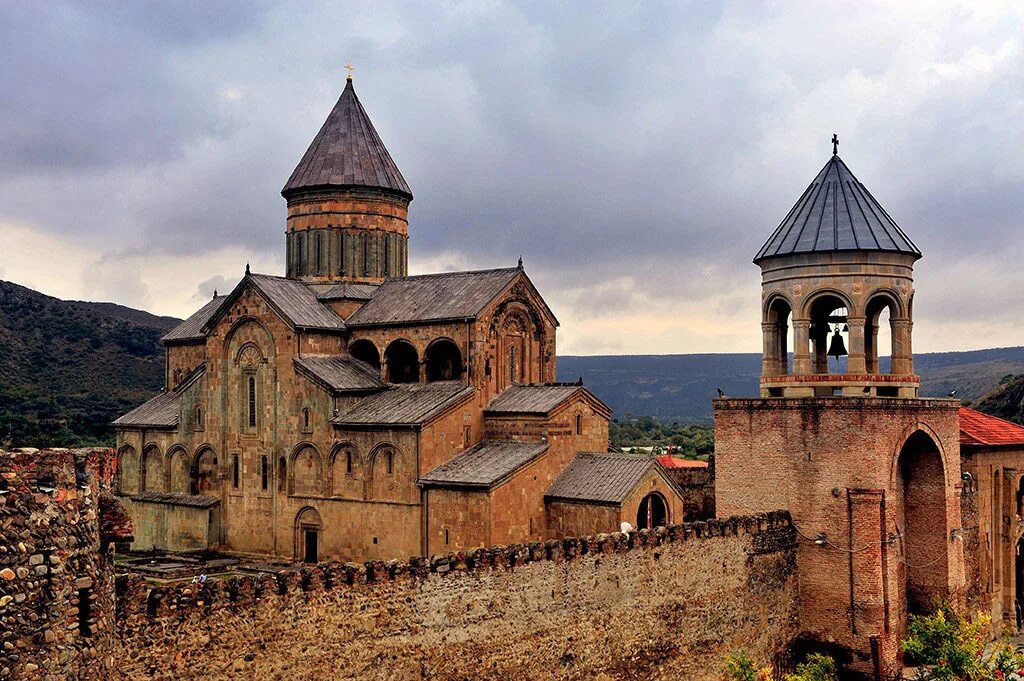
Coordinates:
x,y
839,437
348,203
831,274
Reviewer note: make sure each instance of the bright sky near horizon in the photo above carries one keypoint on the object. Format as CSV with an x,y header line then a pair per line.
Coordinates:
x,y
635,154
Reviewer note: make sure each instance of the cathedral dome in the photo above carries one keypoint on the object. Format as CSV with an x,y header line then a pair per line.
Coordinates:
x,y
836,213
347,153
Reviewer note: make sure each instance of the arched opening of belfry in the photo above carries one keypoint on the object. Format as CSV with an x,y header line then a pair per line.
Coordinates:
x,y
444,361
922,523
403,363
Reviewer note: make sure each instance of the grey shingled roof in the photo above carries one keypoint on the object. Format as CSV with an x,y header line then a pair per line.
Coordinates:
x,y
433,297
341,373
836,213
296,302
347,152
345,291
405,405
192,328
531,399
484,464
160,412
177,499
601,478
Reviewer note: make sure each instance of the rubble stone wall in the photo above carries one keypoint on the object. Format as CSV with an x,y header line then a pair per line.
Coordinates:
x,y
668,603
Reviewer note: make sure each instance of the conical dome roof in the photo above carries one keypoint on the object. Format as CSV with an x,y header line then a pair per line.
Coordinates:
x,y
836,213
347,152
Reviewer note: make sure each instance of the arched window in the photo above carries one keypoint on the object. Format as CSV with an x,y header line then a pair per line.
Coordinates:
x,y
829,335
402,362
252,401
365,351
300,240
305,418
199,418
653,512
444,361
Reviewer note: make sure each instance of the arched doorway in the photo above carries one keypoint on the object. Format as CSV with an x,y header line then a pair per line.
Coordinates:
x,y
444,361
403,362
308,527
653,512
365,351
923,523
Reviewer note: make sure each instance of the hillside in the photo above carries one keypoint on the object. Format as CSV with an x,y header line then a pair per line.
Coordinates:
x,y
68,368
680,387
1006,400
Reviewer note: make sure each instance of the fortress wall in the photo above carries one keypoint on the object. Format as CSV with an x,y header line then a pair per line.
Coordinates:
x,y
667,603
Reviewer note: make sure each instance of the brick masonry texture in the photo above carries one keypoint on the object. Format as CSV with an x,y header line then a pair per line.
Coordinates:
x,y
667,603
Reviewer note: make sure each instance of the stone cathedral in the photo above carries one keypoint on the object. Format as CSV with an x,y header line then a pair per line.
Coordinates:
x,y
348,411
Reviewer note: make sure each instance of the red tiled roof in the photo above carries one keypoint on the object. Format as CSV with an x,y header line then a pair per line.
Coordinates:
x,y
977,428
668,461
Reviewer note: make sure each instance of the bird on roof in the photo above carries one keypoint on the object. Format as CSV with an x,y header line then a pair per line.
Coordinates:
x,y
952,393
721,393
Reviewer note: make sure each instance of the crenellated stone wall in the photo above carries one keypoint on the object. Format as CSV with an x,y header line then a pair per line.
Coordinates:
x,y
668,603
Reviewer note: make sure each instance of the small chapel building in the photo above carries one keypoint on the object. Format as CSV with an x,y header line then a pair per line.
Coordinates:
x,y
349,411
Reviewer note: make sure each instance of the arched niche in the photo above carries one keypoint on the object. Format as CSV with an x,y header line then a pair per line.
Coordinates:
x,y
205,473
346,471
127,477
402,360
444,360
388,469
307,472
179,465
153,470
365,351
922,522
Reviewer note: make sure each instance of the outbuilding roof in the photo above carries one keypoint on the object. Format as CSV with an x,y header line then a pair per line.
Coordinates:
x,y
535,399
177,499
601,478
404,405
669,461
433,297
347,152
979,429
340,373
160,412
192,328
836,213
484,464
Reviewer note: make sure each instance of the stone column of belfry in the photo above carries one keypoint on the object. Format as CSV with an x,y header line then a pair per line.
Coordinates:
x,y
856,360
801,346
770,342
902,360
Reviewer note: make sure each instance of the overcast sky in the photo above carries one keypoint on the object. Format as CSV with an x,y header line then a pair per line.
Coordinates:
x,y
635,154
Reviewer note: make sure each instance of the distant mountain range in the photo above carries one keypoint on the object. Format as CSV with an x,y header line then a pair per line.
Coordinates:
x,y
68,368
680,387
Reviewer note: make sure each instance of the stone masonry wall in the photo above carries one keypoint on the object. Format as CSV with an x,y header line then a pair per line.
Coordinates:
x,y
669,603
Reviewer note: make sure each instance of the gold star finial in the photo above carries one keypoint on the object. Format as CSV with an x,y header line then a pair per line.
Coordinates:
x,y
350,69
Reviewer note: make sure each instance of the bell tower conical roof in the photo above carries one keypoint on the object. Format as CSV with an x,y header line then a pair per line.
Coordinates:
x,y
836,213
347,153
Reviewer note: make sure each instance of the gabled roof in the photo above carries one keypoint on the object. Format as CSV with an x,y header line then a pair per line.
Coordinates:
x,y
344,291
192,328
160,412
444,296
485,464
340,373
536,399
836,213
602,478
295,302
405,405
983,430
347,152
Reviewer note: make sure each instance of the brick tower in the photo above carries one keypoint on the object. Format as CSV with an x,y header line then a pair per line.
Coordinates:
x,y
870,472
348,203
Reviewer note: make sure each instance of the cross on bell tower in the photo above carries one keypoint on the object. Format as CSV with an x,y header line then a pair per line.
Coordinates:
x,y
835,144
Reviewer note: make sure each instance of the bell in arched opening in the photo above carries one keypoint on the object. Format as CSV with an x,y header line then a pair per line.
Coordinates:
x,y
837,347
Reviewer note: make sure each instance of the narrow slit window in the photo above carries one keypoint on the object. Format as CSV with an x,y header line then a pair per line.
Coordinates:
x,y
264,473
348,463
305,418
366,255
252,401
319,253
85,611
390,459
282,474
512,365
235,471
446,535
579,424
